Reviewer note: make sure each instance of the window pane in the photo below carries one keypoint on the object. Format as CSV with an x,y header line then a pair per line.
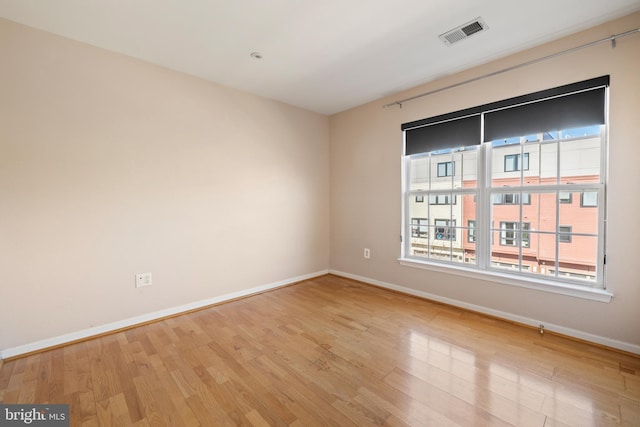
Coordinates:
x,y
581,132
419,173
436,223
580,160
442,169
506,141
505,260
531,163
531,260
542,260
501,212
548,164
440,245
466,168
470,256
520,239
505,165
460,253
469,215
578,259
418,214
541,215
582,219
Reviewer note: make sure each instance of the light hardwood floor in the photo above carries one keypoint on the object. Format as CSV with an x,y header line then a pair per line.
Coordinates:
x,y
335,352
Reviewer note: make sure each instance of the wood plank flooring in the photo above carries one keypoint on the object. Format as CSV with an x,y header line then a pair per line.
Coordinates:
x,y
331,352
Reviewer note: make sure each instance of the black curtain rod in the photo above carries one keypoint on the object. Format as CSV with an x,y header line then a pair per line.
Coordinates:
x,y
611,39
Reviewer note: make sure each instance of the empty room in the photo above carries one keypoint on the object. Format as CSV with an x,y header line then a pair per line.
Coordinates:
x,y
296,213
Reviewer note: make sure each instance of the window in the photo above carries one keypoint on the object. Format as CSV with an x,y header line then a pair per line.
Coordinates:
x,y
445,229
558,137
445,169
565,197
512,162
511,199
471,236
564,235
589,199
510,234
420,227
442,199
419,199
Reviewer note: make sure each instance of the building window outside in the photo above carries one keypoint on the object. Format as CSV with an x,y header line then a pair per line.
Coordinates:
x,y
564,233
511,234
445,169
589,199
442,199
420,227
471,236
512,162
510,199
565,197
445,229
419,199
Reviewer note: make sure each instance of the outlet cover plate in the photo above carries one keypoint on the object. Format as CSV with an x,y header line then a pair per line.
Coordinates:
x,y
143,279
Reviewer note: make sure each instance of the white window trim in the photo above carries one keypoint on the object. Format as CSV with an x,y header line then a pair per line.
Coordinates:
x,y
577,291
482,270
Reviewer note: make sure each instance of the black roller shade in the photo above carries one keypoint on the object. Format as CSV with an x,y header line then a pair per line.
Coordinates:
x,y
563,107
460,132
563,112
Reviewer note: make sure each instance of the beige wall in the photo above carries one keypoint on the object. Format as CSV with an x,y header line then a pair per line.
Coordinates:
x,y
110,166
366,146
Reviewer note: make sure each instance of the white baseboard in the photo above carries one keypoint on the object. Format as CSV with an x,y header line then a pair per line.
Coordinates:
x,y
110,327
620,345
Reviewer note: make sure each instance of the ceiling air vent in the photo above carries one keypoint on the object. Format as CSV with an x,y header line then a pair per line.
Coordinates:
x,y
463,31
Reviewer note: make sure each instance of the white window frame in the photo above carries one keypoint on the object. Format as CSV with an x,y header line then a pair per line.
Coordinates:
x,y
482,270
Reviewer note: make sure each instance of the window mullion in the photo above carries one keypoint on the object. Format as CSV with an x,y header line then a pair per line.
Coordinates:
x,y
406,214
483,206
602,196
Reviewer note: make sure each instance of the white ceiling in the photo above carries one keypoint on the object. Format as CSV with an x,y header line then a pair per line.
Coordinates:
x,y
322,55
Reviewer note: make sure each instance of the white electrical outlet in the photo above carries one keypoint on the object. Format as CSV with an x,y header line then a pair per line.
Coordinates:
x,y
143,279
367,253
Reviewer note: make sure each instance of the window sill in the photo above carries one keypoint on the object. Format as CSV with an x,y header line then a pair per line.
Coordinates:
x,y
577,291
